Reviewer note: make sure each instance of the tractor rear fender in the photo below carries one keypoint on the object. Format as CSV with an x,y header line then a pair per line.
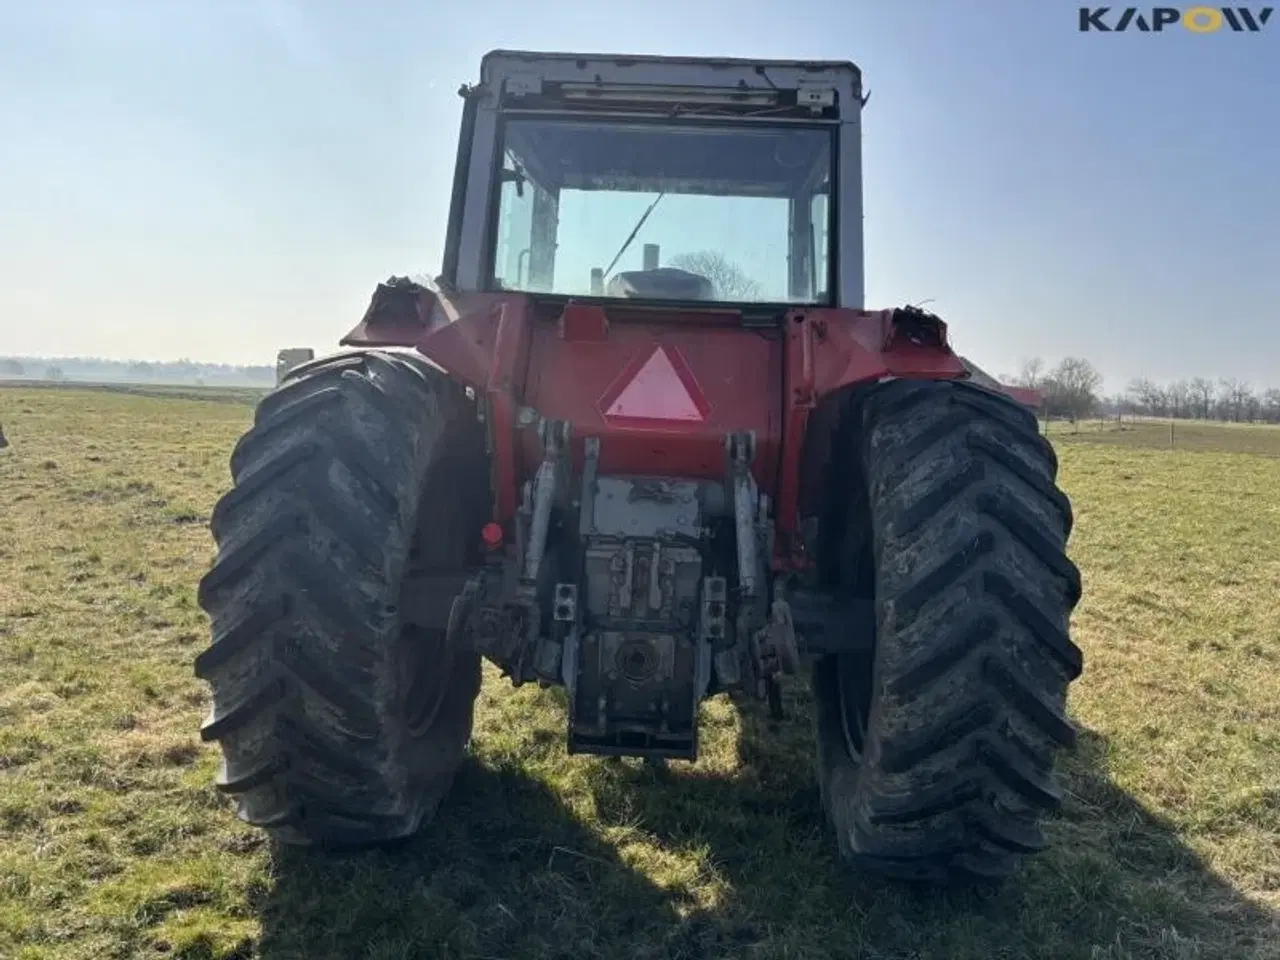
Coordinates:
x,y
661,386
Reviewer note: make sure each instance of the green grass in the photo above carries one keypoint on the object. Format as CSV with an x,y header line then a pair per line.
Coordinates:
x,y
113,842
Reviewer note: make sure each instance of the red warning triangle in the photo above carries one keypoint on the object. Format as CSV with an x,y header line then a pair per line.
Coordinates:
x,y
658,391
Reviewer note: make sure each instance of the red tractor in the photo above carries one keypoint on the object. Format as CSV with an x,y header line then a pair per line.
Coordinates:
x,y
649,482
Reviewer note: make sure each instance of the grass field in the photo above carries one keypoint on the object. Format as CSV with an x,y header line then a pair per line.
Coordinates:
x,y
114,844
1182,436
159,391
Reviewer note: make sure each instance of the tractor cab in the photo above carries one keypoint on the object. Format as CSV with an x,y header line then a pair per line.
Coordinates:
x,y
659,179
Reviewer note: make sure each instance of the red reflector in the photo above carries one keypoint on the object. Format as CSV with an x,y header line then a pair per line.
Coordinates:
x,y
491,533
662,389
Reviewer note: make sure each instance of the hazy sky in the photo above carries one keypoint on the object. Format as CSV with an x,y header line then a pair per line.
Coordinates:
x,y
220,179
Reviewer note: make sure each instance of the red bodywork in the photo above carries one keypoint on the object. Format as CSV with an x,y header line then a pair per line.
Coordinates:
x,y
1026,396
660,386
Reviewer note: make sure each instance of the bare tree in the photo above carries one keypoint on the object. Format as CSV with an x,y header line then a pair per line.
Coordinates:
x,y
729,280
1146,396
1135,393
1201,397
1252,407
1270,405
1178,395
1235,398
1031,373
1071,389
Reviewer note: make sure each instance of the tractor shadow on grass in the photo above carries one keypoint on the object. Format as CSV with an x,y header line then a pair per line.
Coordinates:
x,y
505,870
1116,884
742,867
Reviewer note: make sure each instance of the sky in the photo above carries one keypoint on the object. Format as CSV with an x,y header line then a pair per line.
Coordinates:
x,y
218,179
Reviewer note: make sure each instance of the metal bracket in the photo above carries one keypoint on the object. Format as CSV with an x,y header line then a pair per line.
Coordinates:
x,y
566,623
752,530
547,484
715,638
590,469
774,651
741,448
547,487
776,647
817,97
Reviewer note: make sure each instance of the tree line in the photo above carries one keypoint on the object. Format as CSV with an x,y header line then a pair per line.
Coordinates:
x,y
181,372
1072,391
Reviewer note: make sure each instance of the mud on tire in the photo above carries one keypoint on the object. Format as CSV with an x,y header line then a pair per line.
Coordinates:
x,y
339,724
936,751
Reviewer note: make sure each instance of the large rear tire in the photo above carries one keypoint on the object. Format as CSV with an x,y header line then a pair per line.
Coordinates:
x,y
340,724
936,750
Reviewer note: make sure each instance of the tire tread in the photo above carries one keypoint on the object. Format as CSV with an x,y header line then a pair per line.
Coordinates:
x,y
313,540
974,589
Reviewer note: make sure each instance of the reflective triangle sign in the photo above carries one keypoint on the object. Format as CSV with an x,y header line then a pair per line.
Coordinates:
x,y
659,391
